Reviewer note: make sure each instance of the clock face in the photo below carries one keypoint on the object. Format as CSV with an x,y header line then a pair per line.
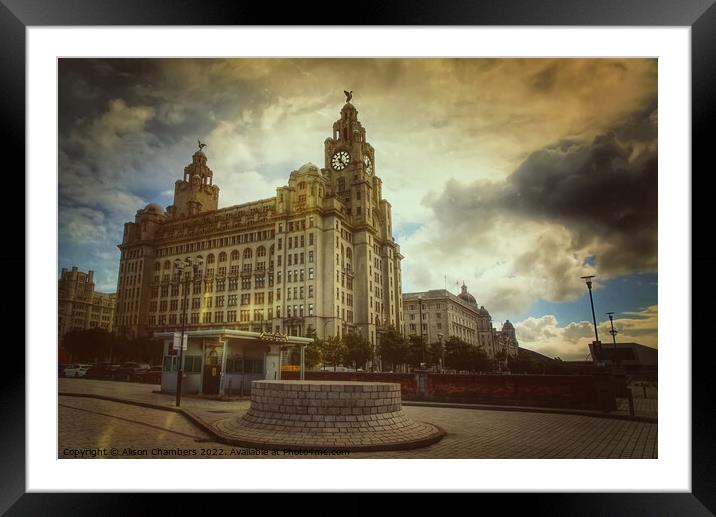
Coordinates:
x,y
340,160
368,164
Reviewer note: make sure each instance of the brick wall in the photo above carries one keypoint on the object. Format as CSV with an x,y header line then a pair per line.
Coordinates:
x,y
565,391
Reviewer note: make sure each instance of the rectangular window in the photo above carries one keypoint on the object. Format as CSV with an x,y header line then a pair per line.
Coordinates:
x,y
219,317
245,315
310,257
245,299
232,300
310,291
231,316
246,283
219,302
290,259
194,318
192,364
206,317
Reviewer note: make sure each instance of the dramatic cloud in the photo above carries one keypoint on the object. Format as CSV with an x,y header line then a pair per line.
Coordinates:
x,y
509,174
570,342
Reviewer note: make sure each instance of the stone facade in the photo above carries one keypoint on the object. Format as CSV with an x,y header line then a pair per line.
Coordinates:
x,y
319,256
79,306
438,315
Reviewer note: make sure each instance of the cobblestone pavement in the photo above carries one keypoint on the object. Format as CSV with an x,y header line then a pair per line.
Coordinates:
x,y
90,424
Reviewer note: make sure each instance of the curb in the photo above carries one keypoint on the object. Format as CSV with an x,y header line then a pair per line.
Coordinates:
x,y
231,440
528,409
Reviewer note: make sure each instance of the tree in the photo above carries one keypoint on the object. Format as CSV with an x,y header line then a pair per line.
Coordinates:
x,y
460,355
358,350
417,351
88,345
392,347
435,352
333,350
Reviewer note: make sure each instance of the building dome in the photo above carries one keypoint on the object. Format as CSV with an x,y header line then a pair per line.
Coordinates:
x,y
467,297
508,325
483,312
153,208
309,168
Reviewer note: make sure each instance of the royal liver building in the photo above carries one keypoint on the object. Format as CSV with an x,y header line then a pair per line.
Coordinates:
x,y
318,257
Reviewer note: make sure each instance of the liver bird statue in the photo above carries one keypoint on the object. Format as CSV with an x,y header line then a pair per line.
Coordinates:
x,y
201,145
349,95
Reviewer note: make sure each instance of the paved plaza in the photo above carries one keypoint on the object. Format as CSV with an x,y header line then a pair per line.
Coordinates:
x,y
91,426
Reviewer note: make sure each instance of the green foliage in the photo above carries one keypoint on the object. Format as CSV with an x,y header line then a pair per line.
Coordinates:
x,y
333,350
417,351
460,355
392,348
97,345
358,350
435,352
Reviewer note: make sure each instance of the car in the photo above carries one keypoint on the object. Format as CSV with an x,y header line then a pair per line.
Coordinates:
x,y
61,369
102,371
76,370
131,371
152,376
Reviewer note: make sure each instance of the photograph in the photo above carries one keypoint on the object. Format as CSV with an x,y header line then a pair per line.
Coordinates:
x,y
357,258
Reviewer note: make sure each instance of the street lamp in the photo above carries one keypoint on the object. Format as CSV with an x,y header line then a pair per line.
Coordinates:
x,y
185,272
614,334
588,280
442,352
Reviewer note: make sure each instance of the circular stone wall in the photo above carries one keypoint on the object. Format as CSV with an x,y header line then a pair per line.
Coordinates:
x,y
327,415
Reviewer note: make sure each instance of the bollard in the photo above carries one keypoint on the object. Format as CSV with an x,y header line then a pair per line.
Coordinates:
x,y
631,403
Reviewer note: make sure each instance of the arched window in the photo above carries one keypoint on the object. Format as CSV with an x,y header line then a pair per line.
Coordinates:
x,y
222,257
167,264
349,253
260,251
210,258
302,185
235,255
247,253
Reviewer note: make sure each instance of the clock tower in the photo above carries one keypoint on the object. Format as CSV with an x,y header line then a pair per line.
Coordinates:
x,y
363,226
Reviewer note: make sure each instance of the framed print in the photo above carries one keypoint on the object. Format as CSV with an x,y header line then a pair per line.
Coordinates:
x,y
446,237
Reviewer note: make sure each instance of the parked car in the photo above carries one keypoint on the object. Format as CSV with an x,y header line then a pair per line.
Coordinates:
x,y
102,371
76,370
152,376
131,371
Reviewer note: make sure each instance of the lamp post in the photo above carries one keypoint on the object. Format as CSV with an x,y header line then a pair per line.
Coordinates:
x,y
614,334
186,271
442,353
588,280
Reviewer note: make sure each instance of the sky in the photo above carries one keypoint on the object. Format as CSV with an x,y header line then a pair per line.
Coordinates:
x,y
515,176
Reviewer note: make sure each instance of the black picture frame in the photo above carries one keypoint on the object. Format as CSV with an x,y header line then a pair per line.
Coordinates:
x,y
700,15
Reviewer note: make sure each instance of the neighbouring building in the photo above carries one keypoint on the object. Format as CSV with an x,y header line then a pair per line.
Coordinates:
x,y
79,306
438,315
318,257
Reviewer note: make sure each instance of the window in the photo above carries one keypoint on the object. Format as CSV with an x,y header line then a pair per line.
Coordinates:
x,y
310,235
261,251
259,298
173,305
248,253
210,258
219,302
219,317
310,291
235,255
220,286
194,318
206,317
245,315
245,299
258,314
192,363
310,257
260,282
231,316
231,300
222,257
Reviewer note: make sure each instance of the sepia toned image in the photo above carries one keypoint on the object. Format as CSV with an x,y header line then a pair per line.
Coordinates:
x,y
357,258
